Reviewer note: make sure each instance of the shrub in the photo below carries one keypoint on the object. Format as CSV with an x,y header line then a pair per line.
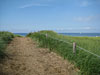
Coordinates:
x,y
5,38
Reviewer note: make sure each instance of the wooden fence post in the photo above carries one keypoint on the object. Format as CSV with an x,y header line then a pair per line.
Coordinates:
x,y
74,47
46,35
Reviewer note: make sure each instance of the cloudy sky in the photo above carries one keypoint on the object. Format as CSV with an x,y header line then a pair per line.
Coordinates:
x,y
58,15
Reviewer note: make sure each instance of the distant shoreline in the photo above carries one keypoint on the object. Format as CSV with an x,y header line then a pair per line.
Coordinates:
x,y
72,34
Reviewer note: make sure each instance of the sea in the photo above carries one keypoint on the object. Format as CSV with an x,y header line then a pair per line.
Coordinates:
x,y
71,34
22,34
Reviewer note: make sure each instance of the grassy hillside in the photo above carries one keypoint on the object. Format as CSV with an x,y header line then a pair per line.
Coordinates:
x,y
5,38
86,62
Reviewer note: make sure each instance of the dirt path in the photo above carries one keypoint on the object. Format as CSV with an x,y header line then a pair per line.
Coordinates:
x,y
27,59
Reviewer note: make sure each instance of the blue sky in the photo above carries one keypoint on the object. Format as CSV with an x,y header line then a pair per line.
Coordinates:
x,y
58,15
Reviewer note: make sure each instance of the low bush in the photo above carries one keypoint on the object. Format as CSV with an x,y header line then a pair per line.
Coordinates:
x,y
5,38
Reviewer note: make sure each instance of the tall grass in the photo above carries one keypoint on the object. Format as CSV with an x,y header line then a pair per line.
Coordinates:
x,y
86,62
89,43
5,38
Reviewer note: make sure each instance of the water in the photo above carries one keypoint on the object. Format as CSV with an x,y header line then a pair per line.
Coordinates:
x,y
71,34
82,34
22,34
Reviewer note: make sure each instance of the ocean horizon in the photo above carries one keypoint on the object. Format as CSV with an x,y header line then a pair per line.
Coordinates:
x,y
71,34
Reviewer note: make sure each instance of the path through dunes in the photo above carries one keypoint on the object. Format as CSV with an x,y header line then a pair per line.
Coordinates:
x,y
25,58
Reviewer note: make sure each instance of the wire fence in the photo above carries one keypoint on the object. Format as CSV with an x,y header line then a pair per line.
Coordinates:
x,y
80,48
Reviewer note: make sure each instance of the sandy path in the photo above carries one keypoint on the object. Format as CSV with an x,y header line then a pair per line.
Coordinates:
x,y
27,59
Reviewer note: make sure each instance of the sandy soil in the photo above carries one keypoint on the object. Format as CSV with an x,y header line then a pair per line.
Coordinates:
x,y
26,58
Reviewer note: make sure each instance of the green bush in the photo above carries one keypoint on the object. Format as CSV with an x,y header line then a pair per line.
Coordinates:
x,y
86,62
16,35
5,38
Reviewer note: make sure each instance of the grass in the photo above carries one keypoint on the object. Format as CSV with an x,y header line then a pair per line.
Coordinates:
x,y
86,62
89,43
16,35
5,38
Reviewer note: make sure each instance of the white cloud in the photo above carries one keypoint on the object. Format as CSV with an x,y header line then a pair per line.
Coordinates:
x,y
93,18
31,5
87,28
70,28
63,29
84,19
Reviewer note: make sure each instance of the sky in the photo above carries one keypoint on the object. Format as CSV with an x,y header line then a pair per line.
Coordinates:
x,y
70,16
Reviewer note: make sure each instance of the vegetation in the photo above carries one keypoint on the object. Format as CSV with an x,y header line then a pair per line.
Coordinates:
x,y
86,62
16,35
5,38
89,43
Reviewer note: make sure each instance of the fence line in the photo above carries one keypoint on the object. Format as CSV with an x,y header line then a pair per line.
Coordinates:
x,y
76,46
58,39
88,51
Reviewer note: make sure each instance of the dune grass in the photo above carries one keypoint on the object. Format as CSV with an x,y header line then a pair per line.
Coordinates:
x,y
89,43
5,38
86,62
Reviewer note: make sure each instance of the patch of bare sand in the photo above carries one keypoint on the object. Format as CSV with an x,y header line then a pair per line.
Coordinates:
x,y
25,58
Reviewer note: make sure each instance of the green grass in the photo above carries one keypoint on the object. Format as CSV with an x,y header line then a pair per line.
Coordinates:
x,y
16,35
89,43
5,38
86,62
